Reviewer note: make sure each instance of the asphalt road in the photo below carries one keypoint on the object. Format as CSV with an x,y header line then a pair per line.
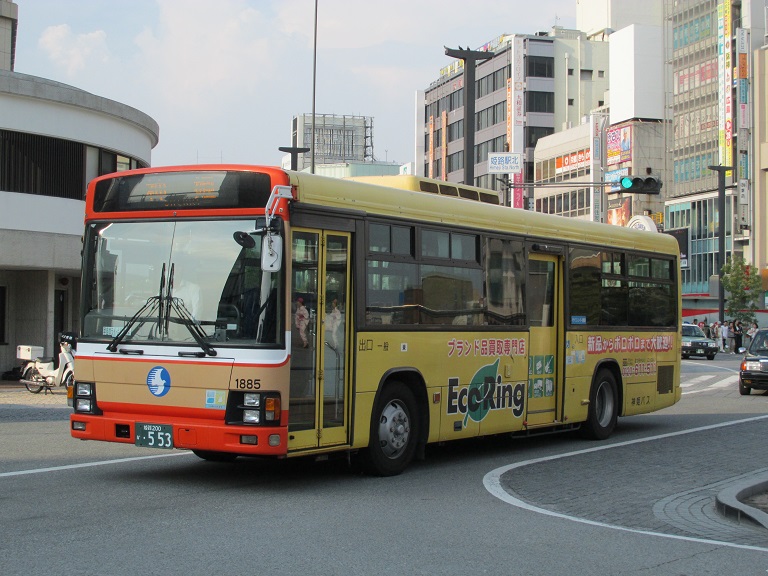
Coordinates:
x,y
640,503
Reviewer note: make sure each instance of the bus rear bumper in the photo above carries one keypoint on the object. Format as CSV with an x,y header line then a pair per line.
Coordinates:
x,y
211,436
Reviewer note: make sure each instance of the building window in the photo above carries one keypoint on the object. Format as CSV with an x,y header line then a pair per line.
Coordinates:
x,y
570,71
539,101
32,164
601,73
533,133
570,101
540,66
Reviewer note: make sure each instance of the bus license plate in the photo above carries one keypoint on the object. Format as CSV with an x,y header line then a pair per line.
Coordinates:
x,y
154,435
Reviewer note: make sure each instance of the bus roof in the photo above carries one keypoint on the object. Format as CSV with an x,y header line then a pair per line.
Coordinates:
x,y
376,199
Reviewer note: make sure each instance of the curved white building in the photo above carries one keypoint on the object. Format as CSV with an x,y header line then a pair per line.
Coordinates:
x,y
54,139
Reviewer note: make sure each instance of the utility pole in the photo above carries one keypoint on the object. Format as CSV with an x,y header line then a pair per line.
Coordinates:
x,y
469,57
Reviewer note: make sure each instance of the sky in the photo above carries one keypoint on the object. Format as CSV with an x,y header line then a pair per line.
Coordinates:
x,y
224,78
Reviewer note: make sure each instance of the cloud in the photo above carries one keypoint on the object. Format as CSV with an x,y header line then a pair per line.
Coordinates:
x,y
200,55
70,52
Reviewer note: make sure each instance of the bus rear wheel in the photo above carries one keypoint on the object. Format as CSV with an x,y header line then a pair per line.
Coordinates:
x,y
394,431
603,407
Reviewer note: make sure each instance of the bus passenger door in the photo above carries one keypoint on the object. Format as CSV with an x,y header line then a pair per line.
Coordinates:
x,y
318,414
544,319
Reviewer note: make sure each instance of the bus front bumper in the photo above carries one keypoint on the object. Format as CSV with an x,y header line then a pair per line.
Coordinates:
x,y
213,436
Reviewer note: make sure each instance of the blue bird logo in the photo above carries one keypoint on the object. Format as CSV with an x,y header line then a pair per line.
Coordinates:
x,y
159,381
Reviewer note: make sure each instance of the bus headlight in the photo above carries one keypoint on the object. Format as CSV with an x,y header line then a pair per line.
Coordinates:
x,y
251,416
83,389
85,398
251,399
83,405
253,408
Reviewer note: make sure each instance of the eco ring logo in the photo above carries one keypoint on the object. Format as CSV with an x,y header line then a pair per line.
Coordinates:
x,y
159,381
484,393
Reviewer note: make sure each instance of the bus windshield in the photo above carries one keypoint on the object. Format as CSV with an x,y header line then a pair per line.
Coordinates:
x,y
182,282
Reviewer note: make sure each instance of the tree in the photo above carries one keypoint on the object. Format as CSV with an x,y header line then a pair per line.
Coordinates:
x,y
744,289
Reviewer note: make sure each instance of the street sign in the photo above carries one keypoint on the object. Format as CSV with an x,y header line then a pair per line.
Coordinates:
x,y
505,163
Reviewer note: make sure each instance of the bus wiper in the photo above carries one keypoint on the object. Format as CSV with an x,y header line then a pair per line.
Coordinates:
x,y
153,302
161,301
192,324
168,298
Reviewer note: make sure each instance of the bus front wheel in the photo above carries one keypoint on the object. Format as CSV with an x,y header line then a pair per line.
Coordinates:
x,y
211,456
603,407
394,431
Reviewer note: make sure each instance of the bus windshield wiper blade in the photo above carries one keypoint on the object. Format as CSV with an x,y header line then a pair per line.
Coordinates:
x,y
149,307
186,318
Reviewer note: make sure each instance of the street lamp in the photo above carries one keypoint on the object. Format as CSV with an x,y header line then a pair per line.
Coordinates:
x,y
314,91
721,170
469,57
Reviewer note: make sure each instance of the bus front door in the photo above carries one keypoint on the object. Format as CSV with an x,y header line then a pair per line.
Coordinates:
x,y
544,318
318,403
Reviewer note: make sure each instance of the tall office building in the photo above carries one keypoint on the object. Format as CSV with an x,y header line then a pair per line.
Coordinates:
x,y
712,46
531,86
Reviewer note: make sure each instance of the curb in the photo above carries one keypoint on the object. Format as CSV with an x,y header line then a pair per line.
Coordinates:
x,y
729,500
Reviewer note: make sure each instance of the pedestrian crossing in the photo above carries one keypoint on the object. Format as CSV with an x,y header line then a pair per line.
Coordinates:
x,y
708,383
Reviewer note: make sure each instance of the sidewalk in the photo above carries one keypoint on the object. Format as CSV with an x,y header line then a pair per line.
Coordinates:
x,y
746,499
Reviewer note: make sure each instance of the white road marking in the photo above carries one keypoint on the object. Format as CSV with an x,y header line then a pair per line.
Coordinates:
x,y
492,483
694,381
724,383
89,464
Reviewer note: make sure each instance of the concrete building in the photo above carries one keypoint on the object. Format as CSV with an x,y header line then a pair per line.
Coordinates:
x,y
713,105
344,147
54,139
577,171
338,138
532,86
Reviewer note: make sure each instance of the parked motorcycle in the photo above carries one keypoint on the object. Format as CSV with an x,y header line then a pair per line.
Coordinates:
x,y
47,373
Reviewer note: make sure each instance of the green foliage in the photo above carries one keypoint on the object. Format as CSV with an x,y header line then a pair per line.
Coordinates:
x,y
743,289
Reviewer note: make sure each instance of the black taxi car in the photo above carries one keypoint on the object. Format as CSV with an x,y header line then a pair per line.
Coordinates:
x,y
753,372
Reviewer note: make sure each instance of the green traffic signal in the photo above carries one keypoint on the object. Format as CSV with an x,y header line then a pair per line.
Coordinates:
x,y
649,185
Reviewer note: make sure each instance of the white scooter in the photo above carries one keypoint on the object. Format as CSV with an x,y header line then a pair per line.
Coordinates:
x,y
46,373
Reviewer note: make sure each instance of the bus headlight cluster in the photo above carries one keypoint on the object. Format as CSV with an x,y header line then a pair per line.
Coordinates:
x,y
258,408
85,398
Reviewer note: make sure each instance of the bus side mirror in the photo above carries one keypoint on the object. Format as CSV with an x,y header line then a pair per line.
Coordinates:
x,y
271,253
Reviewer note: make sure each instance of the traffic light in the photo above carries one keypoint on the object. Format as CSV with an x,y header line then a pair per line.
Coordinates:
x,y
640,185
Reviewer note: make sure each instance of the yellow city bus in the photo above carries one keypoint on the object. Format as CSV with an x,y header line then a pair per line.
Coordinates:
x,y
245,310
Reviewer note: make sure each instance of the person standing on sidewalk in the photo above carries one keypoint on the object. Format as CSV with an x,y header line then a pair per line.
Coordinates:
x,y
751,333
729,344
723,337
738,336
